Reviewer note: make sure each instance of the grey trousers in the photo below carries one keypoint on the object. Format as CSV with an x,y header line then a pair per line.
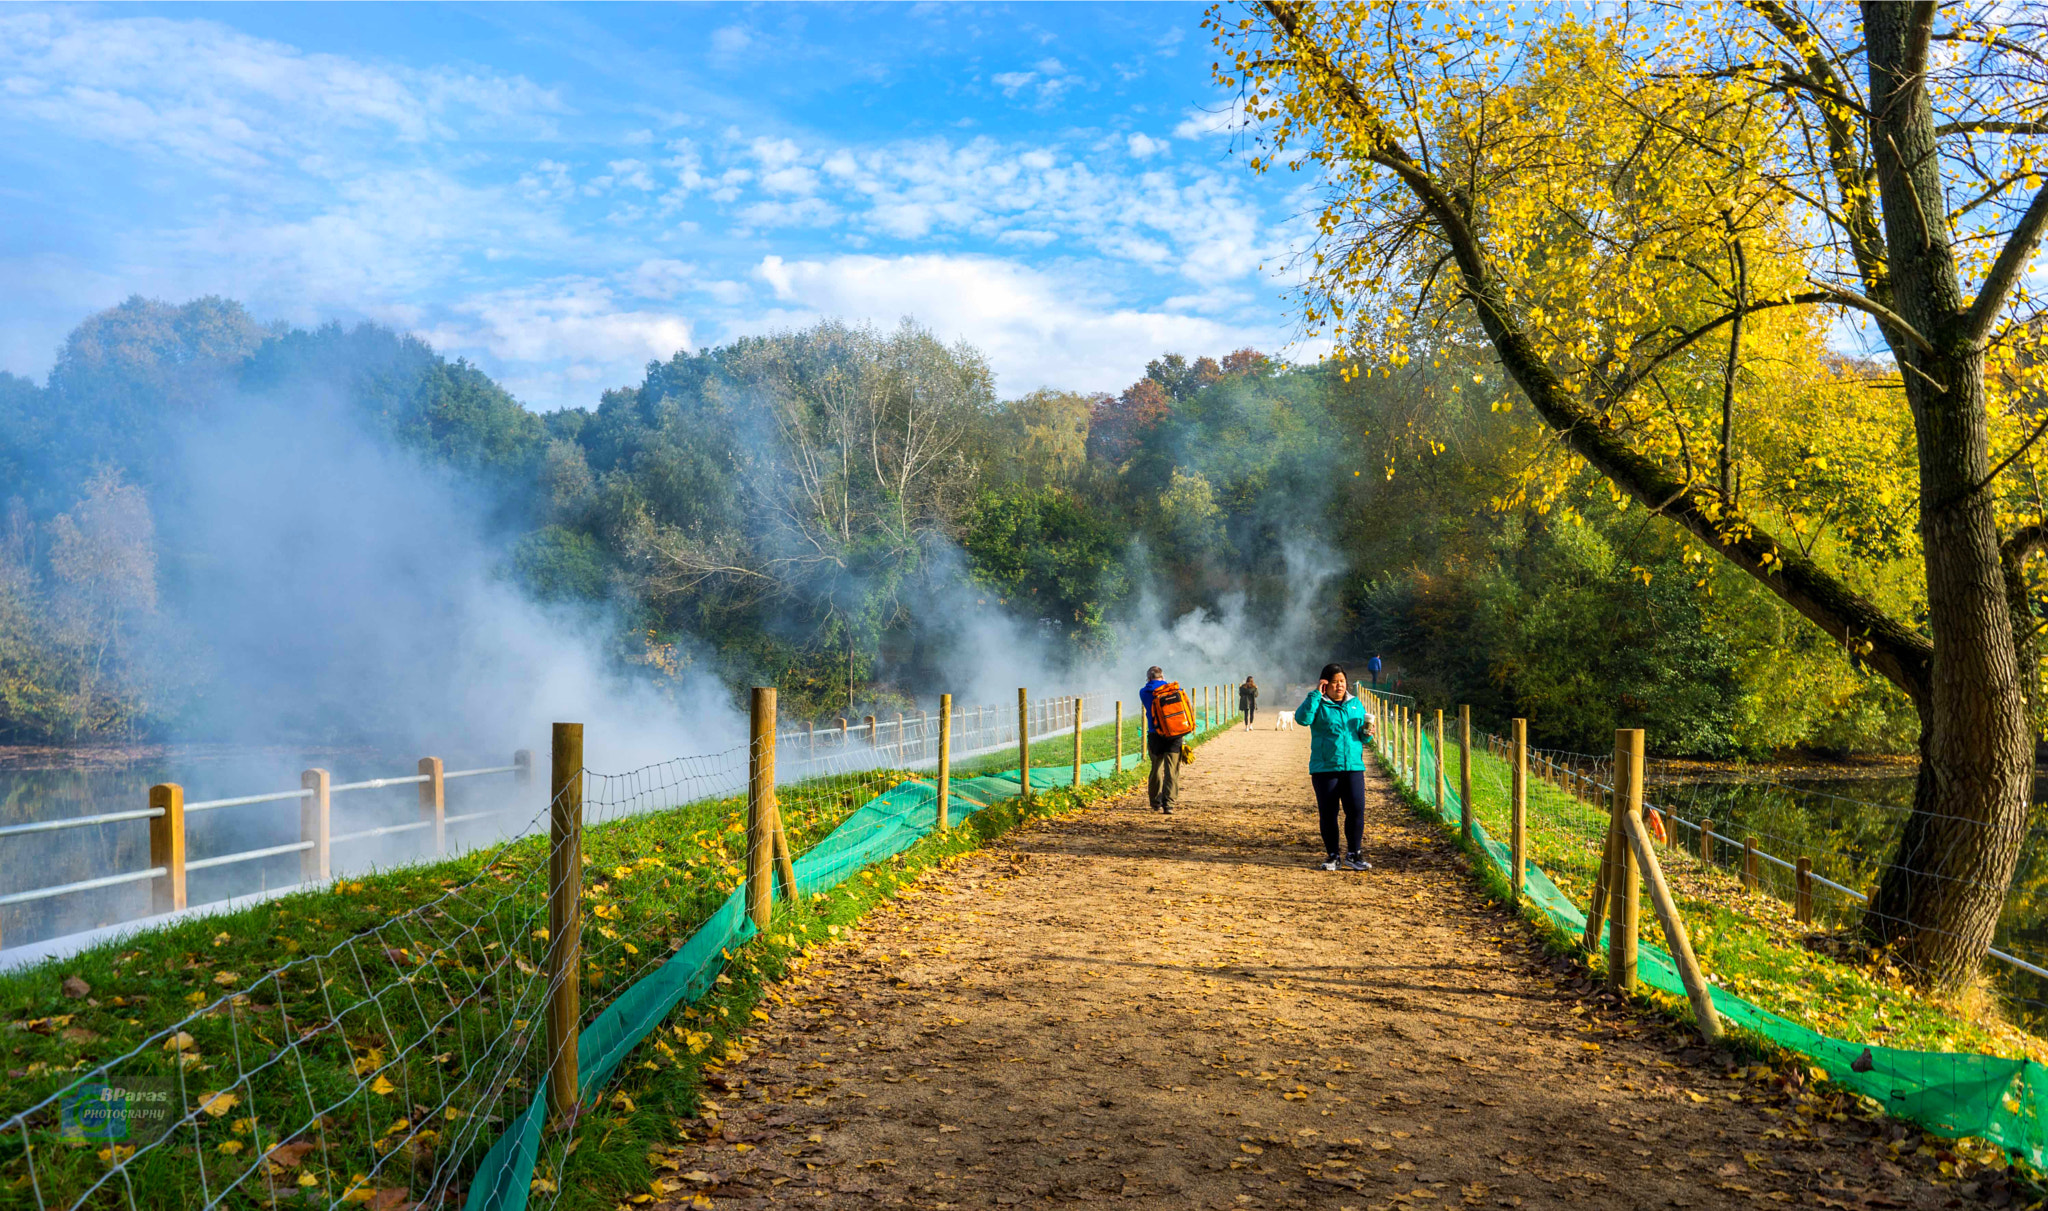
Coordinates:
x,y
1164,784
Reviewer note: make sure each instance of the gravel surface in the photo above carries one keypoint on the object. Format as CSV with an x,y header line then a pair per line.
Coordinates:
x,y
1115,1006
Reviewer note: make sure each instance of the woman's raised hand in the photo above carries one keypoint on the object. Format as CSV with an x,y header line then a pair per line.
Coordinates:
x,y
1323,687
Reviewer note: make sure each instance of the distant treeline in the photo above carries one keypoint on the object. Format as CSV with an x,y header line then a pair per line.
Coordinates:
x,y
810,508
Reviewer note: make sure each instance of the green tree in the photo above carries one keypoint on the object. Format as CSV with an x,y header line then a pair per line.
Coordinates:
x,y
1605,206
1048,557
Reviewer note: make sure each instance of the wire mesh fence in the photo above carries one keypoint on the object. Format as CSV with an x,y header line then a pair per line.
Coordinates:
x,y
1755,911
390,1044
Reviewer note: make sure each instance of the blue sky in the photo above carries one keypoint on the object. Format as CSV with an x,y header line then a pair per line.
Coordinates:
x,y
562,193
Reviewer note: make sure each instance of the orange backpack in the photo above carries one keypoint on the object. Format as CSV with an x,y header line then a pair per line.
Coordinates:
x,y
1172,713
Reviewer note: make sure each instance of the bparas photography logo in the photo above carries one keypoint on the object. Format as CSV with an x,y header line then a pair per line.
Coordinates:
x,y
109,1110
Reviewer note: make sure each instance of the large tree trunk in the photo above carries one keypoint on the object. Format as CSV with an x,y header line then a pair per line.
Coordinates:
x,y
1971,674
1940,898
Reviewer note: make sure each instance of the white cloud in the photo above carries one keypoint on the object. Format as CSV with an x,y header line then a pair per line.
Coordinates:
x,y
802,212
446,200
1197,123
1036,329
630,174
1047,79
730,40
561,338
660,278
1013,82
203,95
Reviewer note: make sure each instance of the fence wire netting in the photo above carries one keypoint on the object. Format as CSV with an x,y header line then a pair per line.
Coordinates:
x,y
1997,1098
407,1062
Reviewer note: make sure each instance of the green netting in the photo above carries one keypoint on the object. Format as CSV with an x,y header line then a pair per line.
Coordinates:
x,y
881,828
1948,1093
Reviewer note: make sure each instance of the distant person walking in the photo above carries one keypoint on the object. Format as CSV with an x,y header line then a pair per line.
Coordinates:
x,y
1339,729
1165,723
1373,666
1248,701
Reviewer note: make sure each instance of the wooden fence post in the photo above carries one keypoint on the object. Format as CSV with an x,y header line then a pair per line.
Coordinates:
x,y
945,759
315,862
1518,826
1404,741
843,737
1750,865
565,918
1707,841
1119,735
874,734
1024,744
785,866
1696,988
1802,901
167,846
1626,881
1441,781
434,801
761,806
1421,752
1399,738
1077,746
1465,772
811,740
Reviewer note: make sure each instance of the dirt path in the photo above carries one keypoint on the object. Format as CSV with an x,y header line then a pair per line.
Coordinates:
x,y
1181,1012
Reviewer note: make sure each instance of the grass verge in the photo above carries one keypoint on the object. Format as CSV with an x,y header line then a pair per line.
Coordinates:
x,y
1750,941
1749,944
363,1041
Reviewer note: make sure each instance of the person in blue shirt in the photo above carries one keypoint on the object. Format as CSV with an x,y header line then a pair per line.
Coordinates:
x,y
1373,666
1163,784
1339,728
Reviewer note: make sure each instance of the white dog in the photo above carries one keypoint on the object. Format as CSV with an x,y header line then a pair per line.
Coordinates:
x,y
1283,721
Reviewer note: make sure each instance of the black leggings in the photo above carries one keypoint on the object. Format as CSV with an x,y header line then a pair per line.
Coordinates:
x,y
1249,712
1347,787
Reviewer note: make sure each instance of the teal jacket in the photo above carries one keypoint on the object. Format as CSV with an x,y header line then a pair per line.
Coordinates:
x,y
1337,732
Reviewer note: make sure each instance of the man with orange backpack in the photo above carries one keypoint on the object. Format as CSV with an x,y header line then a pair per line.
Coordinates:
x,y
1169,719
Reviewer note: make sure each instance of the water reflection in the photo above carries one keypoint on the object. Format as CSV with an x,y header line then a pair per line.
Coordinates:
x,y
1848,828
48,784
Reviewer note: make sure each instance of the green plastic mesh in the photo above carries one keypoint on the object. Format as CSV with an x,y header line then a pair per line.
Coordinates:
x,y
1948,1093
884,826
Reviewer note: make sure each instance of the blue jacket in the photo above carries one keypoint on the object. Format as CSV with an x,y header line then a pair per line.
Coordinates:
x,y
1337,732
1145,697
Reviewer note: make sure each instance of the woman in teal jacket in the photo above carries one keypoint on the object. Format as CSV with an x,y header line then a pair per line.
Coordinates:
x,y
1339,728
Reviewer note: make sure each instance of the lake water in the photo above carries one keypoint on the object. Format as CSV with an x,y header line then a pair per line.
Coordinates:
x,y
46,785
1848,827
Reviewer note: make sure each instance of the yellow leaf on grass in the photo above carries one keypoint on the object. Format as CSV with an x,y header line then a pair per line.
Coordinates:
x,y
382,1087
218,1104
